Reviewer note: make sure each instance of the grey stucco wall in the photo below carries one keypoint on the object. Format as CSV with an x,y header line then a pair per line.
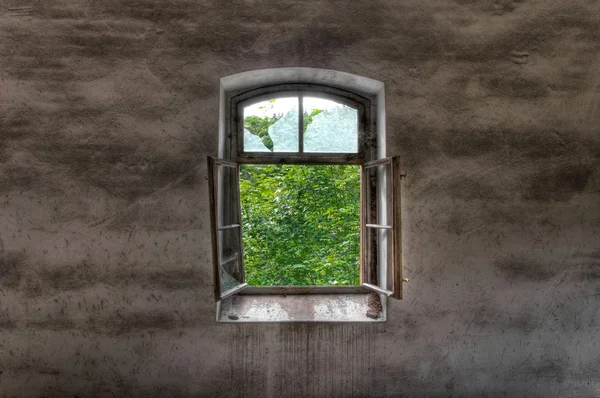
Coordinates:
x,y
108,110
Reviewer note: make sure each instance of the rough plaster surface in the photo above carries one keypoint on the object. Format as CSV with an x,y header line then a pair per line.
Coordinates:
x,y
109,108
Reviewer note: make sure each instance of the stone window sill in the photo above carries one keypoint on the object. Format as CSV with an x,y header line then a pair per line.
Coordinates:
x,y
337,307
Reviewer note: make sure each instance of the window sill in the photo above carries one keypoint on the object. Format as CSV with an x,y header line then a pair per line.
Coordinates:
x,y
332,307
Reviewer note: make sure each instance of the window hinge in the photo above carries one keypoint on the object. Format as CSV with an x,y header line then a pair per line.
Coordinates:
x,y
404,279
402,176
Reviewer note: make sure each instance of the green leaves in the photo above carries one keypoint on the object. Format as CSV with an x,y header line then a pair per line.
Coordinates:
x,y
259,126
300,224
308,118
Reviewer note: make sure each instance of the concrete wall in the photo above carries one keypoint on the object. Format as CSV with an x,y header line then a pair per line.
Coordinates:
x,y
109,108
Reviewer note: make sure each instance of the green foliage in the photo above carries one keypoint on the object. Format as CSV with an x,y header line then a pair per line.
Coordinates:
x,y
300,224
259,126
308,118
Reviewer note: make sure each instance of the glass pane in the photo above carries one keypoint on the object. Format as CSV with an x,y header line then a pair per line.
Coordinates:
x,y
378,193
230,256
379,217
378,248
301,224
329,126
228,182
271,126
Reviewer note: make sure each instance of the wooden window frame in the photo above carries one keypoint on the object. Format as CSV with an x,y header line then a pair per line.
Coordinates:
x,y
366,157
367,140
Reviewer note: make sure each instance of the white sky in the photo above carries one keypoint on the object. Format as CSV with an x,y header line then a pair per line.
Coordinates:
x,y
283,105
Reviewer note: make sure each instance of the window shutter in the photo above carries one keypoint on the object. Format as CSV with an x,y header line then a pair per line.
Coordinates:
x,y
381,227
227,249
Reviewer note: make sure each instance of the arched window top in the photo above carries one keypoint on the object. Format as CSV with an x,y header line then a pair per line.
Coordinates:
x,y
330,99
249,80
305,122
345,97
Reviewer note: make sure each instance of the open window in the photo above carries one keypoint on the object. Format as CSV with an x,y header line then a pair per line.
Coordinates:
x,y
380,226
312,130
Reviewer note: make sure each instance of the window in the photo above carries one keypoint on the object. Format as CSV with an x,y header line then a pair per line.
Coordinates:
x,y
304,128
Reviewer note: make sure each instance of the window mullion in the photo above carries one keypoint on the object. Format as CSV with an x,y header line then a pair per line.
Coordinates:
x,y
300,123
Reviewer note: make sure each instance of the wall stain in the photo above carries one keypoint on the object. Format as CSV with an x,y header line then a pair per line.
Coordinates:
x,y
162,213
514,85
504,143
587,265
121,168
38,67
84,275
68,278
148,10
17,274
11,269
527,269
595,254
456,224
54,322
459,143
15,124
590,272
487,316
412,327
473,188
20,177
546,369
6,321
559,183
119,323
501,7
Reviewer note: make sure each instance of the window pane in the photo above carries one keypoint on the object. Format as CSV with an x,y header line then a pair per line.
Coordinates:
x,y
329,126
379,217
271,126
228,209
301,224
230,256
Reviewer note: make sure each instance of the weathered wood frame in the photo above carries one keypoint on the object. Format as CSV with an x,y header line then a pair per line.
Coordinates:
x,y
218,190
365,157
378,191
367,141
